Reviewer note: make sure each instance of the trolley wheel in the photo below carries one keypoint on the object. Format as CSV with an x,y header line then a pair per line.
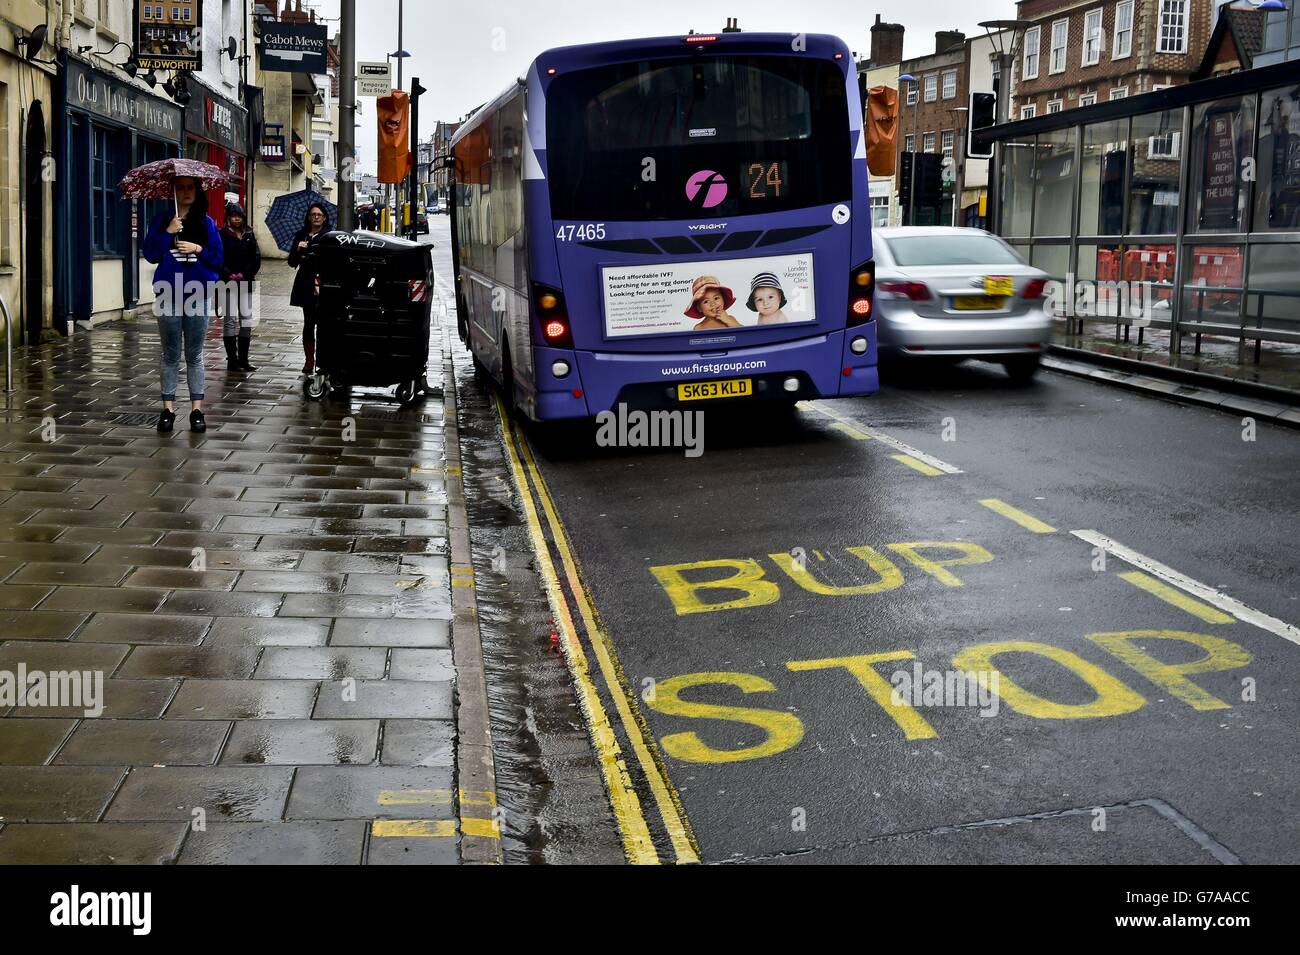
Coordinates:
x,y
406,391
314,387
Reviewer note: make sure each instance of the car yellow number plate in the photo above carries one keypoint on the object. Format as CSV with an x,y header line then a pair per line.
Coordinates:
x,y
978,303
999,285
732,388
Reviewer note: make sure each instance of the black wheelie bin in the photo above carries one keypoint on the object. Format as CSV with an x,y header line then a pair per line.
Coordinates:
x,y
375,298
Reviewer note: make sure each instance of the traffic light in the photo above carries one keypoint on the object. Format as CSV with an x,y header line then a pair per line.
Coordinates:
x,y
905,185
981,115
929,180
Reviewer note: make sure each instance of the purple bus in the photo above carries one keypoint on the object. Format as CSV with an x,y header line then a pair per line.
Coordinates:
x,y
668,221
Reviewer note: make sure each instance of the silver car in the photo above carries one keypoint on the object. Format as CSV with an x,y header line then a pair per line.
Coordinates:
x,y
951,293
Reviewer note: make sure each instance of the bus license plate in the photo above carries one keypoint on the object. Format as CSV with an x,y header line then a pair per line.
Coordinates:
x,y
978,303
733,388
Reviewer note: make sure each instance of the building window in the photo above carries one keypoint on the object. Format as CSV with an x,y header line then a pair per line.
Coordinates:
x,y
1027,112
185,14
1164,146
1087,99
909,144
103,197
931,88
911,94
1054,105
176,13
1060,37
1092,37
927,142
880,210
1173,27
945,143
1123,43
1119,92
1031,52
950,84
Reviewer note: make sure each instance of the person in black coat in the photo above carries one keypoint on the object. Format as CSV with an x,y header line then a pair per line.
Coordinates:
x,y
315,224
242,260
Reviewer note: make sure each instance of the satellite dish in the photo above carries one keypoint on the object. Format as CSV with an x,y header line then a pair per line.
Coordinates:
x,y
34,41
232,47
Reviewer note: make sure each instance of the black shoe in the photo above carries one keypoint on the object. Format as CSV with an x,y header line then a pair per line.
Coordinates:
x,y
244,365
196,421
166,420
232,356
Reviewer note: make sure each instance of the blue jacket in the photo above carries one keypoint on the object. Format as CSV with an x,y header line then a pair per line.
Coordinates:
x,y
158,246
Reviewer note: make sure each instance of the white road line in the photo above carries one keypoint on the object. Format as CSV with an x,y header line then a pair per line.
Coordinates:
x,y
1197,589
880,436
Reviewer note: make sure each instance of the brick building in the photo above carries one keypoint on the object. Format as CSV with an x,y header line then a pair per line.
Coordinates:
x,y
927,121
1080,53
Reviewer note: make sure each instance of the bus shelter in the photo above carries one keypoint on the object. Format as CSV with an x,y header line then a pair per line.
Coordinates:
x,y
1189,195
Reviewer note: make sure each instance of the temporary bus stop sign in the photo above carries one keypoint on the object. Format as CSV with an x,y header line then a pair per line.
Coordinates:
x,y
293,47
374,79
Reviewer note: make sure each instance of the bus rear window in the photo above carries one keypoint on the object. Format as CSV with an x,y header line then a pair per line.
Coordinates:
x,y
697,137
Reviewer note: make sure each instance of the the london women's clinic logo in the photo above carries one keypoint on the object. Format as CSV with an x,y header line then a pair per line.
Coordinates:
x,y
706,188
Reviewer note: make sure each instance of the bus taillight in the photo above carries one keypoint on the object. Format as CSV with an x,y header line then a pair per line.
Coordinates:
x,y
862,281
552,316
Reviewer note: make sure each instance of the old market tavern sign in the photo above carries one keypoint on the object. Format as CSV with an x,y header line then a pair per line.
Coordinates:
x,y
169,35
293,47
102,95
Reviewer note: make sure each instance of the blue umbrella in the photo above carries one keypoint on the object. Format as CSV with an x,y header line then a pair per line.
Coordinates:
x,y
287,212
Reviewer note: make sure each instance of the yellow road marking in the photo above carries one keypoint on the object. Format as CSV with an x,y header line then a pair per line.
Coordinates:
x,y
916,465
1176,597
942,467
667,800
623,799
413,828
851,431
487,828
1027,521
473,797
414,797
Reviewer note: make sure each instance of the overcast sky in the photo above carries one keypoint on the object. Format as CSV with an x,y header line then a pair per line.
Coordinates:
x,y
467,51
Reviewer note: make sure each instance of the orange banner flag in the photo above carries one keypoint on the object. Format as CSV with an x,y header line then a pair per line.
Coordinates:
x,y
394,113
882,129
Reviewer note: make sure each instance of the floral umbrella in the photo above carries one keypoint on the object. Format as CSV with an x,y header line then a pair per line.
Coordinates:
x,y
157,180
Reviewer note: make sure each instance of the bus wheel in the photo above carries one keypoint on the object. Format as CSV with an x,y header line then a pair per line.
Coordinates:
x,y
480,370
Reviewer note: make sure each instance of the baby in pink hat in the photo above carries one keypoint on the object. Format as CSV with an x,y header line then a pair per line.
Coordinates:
x,y
710,300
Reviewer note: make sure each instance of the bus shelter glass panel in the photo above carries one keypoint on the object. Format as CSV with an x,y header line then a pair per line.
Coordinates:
x,y
1101,179
1155,158
1223,136
1017,186
1054,180
1273,289
1052,259
1211,276
1150,275
1277,191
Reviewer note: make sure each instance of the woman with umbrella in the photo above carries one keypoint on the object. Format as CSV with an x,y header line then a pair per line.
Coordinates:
x,y
186,247
315,224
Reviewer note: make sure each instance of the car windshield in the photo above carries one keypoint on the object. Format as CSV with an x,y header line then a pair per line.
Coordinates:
x,y
973,249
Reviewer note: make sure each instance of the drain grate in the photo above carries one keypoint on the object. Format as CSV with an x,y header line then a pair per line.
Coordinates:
x,y
132,419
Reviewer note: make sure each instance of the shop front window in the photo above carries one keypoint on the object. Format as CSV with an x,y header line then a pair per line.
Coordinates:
x,y
103,183
1277,192
1223,134
1156,156
1101,186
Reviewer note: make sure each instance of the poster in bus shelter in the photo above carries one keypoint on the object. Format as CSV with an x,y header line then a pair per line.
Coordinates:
x,y
708,296
169,36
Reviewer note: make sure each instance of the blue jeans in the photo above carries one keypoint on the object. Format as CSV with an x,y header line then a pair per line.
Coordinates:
x,y
191,328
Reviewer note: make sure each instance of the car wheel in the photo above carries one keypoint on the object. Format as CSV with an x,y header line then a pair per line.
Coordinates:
x,y
1022,368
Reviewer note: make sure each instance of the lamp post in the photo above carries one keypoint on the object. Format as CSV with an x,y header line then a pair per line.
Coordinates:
x,y
958,167
1005,55
911,186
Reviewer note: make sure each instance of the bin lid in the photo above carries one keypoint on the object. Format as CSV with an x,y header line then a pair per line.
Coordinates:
x,y
363,239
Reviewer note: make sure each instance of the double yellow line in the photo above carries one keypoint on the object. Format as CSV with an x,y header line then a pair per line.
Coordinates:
x,y
624,799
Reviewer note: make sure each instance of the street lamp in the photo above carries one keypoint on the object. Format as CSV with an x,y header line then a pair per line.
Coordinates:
x,y
1005,55
911,186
